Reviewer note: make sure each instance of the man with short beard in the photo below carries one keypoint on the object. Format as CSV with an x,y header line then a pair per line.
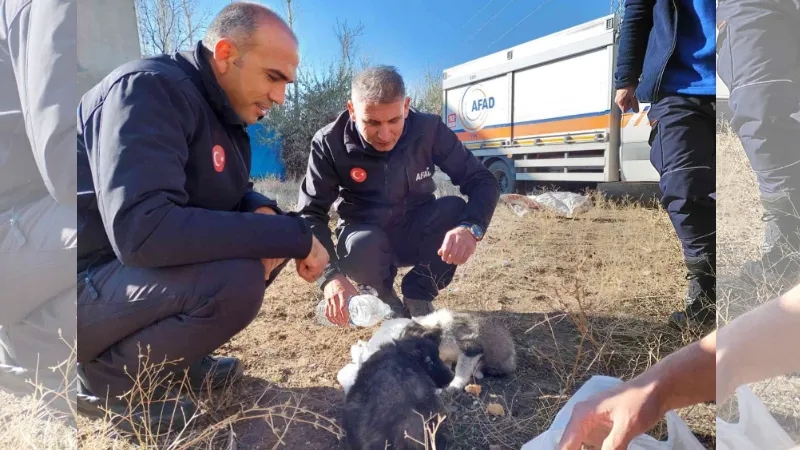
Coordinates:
x,y
376,162
175,248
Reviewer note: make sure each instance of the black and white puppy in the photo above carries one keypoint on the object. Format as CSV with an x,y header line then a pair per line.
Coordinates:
x,y
476,345
394,394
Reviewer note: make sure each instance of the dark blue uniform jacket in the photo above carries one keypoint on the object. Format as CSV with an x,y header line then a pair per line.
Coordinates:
x,y
164,172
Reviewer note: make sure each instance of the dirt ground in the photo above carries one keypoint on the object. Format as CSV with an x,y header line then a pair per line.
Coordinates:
x,y
582,296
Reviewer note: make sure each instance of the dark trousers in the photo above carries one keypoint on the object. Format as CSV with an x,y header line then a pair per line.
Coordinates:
x,y
183,312
371,255
759,61
683,151
38,247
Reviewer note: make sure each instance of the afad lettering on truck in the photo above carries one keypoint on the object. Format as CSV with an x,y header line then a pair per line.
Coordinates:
x,y
474,108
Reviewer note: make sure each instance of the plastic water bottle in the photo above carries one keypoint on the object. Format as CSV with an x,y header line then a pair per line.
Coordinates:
x,y
365,311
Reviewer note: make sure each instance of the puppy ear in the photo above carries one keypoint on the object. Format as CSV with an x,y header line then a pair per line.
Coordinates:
x,y
414,329
410,346
435,334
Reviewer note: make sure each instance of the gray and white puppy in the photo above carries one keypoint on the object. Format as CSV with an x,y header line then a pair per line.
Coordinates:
x,y
476,345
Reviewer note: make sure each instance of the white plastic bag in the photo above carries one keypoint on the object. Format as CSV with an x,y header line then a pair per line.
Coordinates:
x,y
361,351
567,204
679,436
756,429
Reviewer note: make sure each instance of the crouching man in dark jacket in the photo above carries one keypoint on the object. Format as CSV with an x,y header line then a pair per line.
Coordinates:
x,y
175,248
376,161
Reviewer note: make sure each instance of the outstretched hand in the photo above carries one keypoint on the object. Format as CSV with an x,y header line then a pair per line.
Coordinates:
x,y
337,293
610,420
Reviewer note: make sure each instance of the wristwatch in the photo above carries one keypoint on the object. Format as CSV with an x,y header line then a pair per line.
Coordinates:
x,y
330,270
476,231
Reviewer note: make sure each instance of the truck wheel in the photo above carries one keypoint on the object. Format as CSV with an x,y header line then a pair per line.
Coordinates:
x,y
505,179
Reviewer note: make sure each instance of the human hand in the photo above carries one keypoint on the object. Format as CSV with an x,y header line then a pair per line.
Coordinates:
x,y
311,268
269,263
458,246
626,98
337,292
611,419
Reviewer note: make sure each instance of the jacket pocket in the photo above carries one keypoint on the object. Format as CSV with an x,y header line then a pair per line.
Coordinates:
x,y
12,238
724,55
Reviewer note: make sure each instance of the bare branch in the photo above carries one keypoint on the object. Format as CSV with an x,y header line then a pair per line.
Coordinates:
x,y
166,26
347,37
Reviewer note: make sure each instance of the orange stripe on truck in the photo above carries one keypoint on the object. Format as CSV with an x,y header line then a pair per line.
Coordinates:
x,y
625,119
556,126
486,133
562,126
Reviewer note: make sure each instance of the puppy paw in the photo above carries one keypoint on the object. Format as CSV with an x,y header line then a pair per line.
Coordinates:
x,y
453,389
478,375
457,384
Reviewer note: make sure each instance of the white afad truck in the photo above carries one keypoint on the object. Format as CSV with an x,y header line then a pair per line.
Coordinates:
x,y
544,111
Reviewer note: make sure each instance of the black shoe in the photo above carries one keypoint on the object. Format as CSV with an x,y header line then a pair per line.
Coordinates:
x,y
681,321
701,297
778,269
391,299
166,413
219,372
418,308
779,266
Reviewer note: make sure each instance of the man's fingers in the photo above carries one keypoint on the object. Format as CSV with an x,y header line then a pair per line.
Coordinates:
x,y
459,254
617,439
338,316
570,440
344,316
447,248
305,272
310,272
329,310
335,310
573,438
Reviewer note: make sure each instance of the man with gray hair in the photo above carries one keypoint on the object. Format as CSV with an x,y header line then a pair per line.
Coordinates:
x,y
376,162
175,247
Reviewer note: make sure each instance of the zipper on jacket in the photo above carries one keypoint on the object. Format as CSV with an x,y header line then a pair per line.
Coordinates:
x,y
406,190
657,93
238,151
386,179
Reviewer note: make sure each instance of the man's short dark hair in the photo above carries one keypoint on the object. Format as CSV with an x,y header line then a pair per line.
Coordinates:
x,y
238,21
379,84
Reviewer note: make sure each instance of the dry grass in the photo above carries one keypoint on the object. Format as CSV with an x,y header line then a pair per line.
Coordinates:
x,y
582,296
740,234
26,424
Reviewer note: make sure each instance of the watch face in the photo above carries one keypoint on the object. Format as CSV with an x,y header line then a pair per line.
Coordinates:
x,y
474,229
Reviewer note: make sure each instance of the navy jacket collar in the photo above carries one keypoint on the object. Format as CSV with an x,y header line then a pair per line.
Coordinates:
x,y
206,81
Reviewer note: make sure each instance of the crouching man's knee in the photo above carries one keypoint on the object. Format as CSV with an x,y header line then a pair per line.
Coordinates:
x,y
242,293
365,254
